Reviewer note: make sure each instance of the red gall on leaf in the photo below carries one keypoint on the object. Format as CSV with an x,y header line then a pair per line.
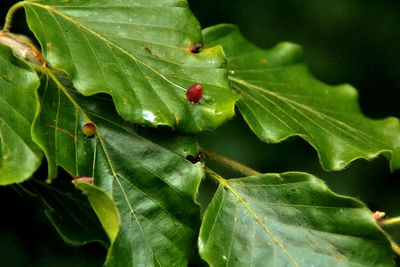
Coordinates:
x,y
195,48
194,93
89,129
84,179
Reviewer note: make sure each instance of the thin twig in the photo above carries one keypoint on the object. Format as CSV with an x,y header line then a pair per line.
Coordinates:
x,y
390,221
229,163
395,248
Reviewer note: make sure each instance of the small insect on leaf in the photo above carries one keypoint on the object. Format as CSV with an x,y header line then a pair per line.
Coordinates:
x,y
194,93
89,129
195,48
83,179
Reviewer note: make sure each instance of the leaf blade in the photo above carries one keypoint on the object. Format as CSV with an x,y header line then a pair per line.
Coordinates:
x,y
146,70
289,219
281,98
20,157
142,170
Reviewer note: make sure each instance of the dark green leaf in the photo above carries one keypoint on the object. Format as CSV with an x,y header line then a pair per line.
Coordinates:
x,y
144,172
280,98
138,52
289,219
70,212
20,157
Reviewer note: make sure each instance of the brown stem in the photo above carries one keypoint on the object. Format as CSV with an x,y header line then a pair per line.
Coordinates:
x,y
22,47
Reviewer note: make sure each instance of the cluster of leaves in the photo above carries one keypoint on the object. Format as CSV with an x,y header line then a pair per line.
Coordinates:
x,y
124,67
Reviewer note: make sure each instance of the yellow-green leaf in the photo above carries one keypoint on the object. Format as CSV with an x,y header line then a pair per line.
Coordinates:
x,y
103,206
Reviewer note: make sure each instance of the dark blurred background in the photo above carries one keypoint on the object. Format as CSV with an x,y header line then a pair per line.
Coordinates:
x,y
348,41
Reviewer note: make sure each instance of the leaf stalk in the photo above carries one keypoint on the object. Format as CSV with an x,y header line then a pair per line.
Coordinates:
x,y
390,221
395,248
210,173
243,169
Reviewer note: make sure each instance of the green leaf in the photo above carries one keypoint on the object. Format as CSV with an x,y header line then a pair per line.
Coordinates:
x,y
289,219
144,172
280,98
20,157
103,206
70,212
138,52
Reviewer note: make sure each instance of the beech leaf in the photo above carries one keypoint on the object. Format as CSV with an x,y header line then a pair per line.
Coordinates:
x,y
144,172
20,157
281,98
289,219
137,51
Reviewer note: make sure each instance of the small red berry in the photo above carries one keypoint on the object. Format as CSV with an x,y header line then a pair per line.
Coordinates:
x,y
195,48
89,129
194,93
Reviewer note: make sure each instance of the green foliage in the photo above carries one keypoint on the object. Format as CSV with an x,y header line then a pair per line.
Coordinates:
x,y
123,66
145,174
139,54
103,206
20,156
282,99
70,212
289,219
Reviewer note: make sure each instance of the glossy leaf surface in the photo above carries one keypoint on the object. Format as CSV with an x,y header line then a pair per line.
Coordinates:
x,y
289,219
20,157
138,52
143,171
280,98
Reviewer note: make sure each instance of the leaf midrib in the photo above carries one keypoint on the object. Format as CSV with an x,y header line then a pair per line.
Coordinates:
x,y
110,43
51,11
313,111
116,177
225,183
